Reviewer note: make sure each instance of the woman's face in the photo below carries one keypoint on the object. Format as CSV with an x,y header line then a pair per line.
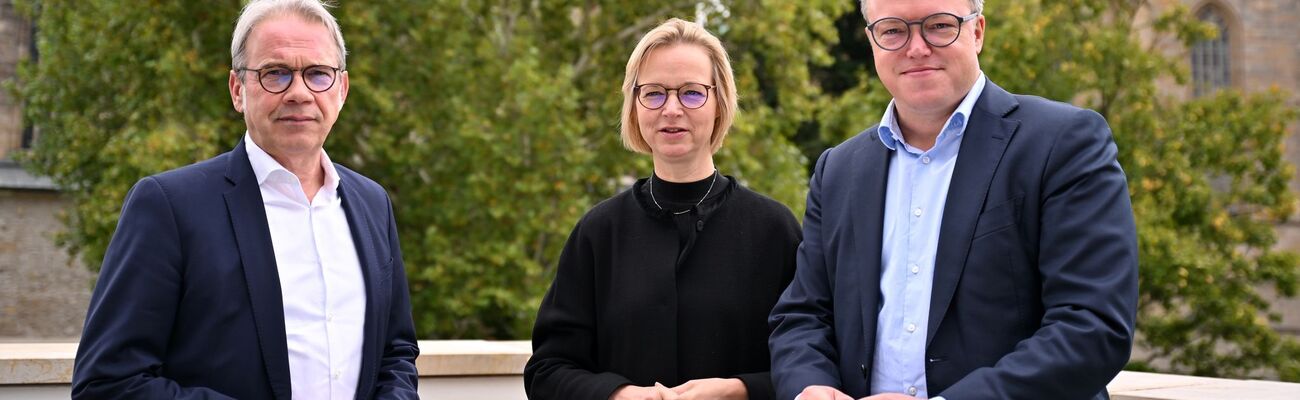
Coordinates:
x,y
676,133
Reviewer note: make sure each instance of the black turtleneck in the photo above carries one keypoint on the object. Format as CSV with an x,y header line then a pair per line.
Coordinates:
x,y
679,201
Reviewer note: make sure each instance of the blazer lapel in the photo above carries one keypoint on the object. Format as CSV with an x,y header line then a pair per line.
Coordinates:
x,y
986,138
365,234
872,162
257,256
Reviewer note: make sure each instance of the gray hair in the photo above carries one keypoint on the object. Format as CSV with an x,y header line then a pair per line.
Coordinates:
x,y
258,10
976,6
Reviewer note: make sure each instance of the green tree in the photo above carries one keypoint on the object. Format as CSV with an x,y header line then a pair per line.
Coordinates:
x,y
1207,176
494,124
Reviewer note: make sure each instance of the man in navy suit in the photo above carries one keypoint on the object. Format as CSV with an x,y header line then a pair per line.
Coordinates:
x,y
267,272
974,244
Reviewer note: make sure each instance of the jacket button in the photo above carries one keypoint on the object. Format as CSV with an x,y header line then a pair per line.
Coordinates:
x,y
699,225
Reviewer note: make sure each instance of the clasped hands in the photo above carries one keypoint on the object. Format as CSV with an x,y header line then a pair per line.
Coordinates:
x,y
712,388
830,393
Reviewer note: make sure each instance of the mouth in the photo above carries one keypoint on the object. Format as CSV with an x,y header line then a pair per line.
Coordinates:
x,y
295,118
920,70
673,131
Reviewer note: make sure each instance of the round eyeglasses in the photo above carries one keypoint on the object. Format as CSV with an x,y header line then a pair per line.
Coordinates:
x,y
277,78
653,96
938,30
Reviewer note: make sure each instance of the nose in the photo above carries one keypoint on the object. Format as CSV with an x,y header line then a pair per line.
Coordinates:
x,y
297,91
916,45
673,105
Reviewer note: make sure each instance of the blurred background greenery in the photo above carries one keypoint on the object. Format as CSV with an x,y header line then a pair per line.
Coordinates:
x,y
494,125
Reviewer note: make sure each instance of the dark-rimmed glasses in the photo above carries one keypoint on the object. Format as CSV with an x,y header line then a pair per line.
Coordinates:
x,y
653,96
938,30
277,78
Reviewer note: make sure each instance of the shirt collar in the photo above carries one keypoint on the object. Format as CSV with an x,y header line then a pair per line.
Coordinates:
x,y
889,133
265,167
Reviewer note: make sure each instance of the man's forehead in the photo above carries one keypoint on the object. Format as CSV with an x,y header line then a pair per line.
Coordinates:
x,y
893,8
288,38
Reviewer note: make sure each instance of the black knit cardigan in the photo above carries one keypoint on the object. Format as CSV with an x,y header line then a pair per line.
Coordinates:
x,y
630,304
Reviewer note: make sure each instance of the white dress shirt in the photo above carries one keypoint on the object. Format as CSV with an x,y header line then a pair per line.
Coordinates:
x,y
321,284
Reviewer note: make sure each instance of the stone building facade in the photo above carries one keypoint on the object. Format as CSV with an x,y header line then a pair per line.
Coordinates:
x,y
43,292
1258,50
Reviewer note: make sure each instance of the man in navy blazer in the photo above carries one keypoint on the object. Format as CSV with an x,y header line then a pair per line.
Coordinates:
x,y
973,245
267,272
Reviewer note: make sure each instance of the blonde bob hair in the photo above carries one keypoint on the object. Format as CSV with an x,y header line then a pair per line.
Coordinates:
x,y
673,32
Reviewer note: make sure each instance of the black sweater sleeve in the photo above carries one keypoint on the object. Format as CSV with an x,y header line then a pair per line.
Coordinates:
x,y
564,339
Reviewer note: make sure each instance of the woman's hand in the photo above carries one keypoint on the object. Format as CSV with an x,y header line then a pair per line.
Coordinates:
x,y
656,392
712,388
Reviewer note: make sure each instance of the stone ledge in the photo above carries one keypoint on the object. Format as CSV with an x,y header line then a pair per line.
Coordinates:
x,y
51,363
498,366
13,176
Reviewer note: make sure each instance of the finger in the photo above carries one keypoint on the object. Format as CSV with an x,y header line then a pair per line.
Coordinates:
x,y
683,388
664,392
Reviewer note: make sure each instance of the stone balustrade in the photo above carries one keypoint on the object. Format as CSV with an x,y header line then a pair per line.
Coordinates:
x,y
477,369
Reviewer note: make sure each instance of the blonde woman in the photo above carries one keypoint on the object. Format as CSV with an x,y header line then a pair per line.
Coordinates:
x,y
663,290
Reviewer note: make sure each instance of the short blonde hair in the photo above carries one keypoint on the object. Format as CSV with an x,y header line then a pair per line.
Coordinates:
x,y
673,32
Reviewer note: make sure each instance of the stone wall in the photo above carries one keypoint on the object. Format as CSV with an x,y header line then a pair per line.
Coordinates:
x,y
43,294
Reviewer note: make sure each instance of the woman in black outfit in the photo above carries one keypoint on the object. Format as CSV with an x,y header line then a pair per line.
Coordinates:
x,y
663,290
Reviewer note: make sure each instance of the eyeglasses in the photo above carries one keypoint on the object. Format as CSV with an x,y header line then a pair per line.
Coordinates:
x,y
277,78
938,30
653,96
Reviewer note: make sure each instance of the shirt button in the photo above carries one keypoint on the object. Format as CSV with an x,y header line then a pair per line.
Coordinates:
x,y
911,327
911,391
915,269
337,373
329,317
917,211
925,160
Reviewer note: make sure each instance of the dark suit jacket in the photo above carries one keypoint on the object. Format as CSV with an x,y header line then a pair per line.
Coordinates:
x,y
188,302
1035,284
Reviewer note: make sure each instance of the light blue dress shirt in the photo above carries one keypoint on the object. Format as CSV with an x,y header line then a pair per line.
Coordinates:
x,y
914,201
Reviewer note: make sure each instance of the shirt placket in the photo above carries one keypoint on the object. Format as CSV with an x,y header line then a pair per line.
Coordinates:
x,y
315,212
916,240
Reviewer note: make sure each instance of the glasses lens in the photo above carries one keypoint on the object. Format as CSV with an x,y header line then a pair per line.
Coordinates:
x,y
653,96
693,95
318,78
940,29
890,33
276,79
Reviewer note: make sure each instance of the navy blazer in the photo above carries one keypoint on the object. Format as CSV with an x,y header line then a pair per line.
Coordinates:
x,y
188,301
1035,283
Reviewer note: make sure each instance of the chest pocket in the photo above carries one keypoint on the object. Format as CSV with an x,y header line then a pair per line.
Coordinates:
x,y
1000,216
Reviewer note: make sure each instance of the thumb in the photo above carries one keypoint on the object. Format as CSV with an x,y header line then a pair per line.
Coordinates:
x,y
664,392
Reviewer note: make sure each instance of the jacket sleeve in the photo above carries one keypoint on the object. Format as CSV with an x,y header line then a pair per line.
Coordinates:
x,y
1087,260
803,338
758,385
128,326
564,342
397,375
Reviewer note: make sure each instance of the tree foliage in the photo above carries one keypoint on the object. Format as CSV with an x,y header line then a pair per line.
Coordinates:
x,y
494,126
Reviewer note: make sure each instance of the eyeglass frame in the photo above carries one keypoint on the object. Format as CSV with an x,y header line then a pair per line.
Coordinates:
x,y
294,73
924,37
636,93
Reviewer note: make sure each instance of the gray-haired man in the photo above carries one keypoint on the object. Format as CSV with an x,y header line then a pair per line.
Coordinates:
x,y
265,272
